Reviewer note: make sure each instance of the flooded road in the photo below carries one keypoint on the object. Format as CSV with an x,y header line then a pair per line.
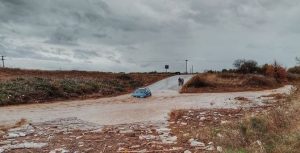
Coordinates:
x,y
125,109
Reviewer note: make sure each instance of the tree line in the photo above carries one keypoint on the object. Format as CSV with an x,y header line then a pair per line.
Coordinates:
x,y
244,66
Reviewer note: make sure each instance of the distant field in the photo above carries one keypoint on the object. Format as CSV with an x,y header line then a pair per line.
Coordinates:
x,y
34,86
229,82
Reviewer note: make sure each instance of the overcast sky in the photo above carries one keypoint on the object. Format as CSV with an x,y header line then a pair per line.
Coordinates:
x,y
144,35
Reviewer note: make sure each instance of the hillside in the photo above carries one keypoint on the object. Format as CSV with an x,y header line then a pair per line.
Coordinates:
x,y
35,86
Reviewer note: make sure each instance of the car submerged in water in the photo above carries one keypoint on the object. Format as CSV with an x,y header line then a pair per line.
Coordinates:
x,y
142,93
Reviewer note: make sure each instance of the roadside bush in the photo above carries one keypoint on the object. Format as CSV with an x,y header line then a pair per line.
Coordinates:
x,y
295,70
40,86
175,115
268,70
198,82
259,81
124,77
228,75
281,74
25,90
135,84
246,66
276,71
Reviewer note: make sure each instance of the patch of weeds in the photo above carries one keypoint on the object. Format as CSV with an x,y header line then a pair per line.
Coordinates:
x,y
198,82
124,77
135,84
215,131
259,125
236,150
175,115
70,86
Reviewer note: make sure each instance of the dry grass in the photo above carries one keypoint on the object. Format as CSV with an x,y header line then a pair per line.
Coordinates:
x,y
175,115
228,82
19,123
272,130
35,86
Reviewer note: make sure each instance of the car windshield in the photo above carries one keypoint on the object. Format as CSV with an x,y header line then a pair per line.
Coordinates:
x,y
139,91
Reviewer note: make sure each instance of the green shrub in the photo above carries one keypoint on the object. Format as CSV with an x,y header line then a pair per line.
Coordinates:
x,y
258,125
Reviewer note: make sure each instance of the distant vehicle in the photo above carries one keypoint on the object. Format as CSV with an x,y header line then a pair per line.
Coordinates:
x,y
142,93
177,73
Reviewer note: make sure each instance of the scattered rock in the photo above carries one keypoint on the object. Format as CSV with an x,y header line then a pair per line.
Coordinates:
x,y
186,134
96,131
60,150
12,135
26,145
220,135
135,147
195,143
187,151
2,132
147,137
50,137
121,149
166,139
80,144
143,151
224,122
6,142
202,118
126,131
202,113
163,130
210,148
183,123
79,137
219,149
129,133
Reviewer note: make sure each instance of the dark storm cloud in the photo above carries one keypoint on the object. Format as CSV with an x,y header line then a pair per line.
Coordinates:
x,y
64,36
133,35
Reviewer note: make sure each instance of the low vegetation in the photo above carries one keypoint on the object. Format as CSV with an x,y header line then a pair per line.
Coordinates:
x,y
246,76
229,82
40,86
262,129
294,70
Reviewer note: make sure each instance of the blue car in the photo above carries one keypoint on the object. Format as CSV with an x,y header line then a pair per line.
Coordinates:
x,y
142,93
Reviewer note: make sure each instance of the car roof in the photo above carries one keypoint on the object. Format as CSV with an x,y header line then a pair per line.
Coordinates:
x,y
143,89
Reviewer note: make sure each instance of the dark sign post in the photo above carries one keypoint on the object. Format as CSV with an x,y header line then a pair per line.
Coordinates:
x,y
166,67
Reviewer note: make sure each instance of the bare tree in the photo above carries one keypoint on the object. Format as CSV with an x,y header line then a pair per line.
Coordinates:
x,y
298,60
245,66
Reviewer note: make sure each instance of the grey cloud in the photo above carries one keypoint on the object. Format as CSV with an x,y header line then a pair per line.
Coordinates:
x,y
63,36
129,32
85,54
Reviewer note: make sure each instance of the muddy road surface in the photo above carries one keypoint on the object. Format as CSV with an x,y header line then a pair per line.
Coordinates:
x,y
126,109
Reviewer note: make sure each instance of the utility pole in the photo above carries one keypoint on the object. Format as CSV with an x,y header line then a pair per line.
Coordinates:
x,y
186,62
3,61
192,69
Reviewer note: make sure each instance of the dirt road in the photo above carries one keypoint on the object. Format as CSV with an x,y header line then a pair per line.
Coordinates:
x,y
125,109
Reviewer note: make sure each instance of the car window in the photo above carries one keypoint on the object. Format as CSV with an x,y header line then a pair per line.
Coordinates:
x,y
139,91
